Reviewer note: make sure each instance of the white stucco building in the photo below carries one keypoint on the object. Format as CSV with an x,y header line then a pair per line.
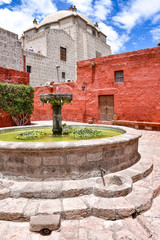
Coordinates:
x,y
53,47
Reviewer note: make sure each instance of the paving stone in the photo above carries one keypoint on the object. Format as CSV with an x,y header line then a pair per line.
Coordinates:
x,y
100,235
91,222
104,208
18,231
50,207
136,228
13,210
69,233
4,193
74,208
3,230
124,235
146,225
51,222
155,222
114,225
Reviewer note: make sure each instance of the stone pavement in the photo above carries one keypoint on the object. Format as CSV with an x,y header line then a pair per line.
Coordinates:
x,y
141,226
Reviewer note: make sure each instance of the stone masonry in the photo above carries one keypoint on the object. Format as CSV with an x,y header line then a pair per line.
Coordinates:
x,y
11,53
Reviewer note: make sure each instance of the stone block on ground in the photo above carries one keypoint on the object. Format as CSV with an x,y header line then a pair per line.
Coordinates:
x,y
39,222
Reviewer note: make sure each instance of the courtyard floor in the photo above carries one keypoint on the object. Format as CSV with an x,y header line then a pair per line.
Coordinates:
x,y
142,227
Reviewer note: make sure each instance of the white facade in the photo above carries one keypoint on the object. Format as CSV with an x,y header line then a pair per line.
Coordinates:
x,y
11,53
73,32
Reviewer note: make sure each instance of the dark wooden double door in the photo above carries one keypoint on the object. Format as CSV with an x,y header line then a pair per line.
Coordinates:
x,y
106,107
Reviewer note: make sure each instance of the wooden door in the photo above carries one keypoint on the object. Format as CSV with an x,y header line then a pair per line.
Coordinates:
x,y
106,107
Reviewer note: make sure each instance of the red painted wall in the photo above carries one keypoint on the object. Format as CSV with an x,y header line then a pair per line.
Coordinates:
x,y
13,77
136,99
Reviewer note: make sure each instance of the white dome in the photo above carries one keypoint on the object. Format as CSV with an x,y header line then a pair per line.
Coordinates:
x,y
55,17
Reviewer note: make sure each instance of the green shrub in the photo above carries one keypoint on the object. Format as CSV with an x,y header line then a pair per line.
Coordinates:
x,y
17,100
66,129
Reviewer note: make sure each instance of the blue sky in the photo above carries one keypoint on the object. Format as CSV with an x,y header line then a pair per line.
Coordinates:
x,y
129,25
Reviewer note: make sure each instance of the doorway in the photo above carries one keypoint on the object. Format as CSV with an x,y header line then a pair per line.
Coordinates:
x,y
106,107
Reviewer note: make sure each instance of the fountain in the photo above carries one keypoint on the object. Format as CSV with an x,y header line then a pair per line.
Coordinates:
x,y
56,100
69,159
79,178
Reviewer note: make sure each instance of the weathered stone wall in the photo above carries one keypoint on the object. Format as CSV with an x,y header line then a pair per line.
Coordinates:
x,y
135,99
11,53
44,68
94,44
13,77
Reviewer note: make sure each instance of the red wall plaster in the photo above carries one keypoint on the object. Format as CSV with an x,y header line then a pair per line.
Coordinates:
x,y
13,77
136,99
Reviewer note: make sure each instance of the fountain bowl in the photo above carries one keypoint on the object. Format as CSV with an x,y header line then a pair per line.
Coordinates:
x,y
69,160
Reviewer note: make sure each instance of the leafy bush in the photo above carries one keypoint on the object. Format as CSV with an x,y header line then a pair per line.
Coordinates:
x,y
85,133
66,129
29,135
17,100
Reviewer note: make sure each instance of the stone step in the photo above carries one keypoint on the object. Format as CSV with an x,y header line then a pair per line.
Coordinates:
x,y
22,209
74,188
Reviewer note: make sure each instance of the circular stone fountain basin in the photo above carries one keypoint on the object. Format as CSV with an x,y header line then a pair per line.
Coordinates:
x,y
69,160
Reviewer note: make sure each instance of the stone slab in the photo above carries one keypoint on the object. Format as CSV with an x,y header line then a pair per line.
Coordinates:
x,y
74,208
50,207
39,222
4,193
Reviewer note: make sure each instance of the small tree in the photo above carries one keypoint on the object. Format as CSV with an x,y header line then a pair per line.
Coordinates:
x,y
17,100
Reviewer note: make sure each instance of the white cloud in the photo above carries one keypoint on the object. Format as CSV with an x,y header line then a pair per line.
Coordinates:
x,y
5,1
35,6
102,8
156,34
115,40
21,17
97,11
15,21
135,12
156,18
84,6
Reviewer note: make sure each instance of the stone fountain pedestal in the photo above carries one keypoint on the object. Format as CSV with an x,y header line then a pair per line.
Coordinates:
x,y
56,100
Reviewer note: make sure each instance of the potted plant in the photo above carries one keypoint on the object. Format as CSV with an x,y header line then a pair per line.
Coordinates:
x,y
90,120
115,116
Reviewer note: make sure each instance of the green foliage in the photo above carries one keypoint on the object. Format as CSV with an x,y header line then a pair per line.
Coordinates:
x,y
85,133
16,99
29,135
66,129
